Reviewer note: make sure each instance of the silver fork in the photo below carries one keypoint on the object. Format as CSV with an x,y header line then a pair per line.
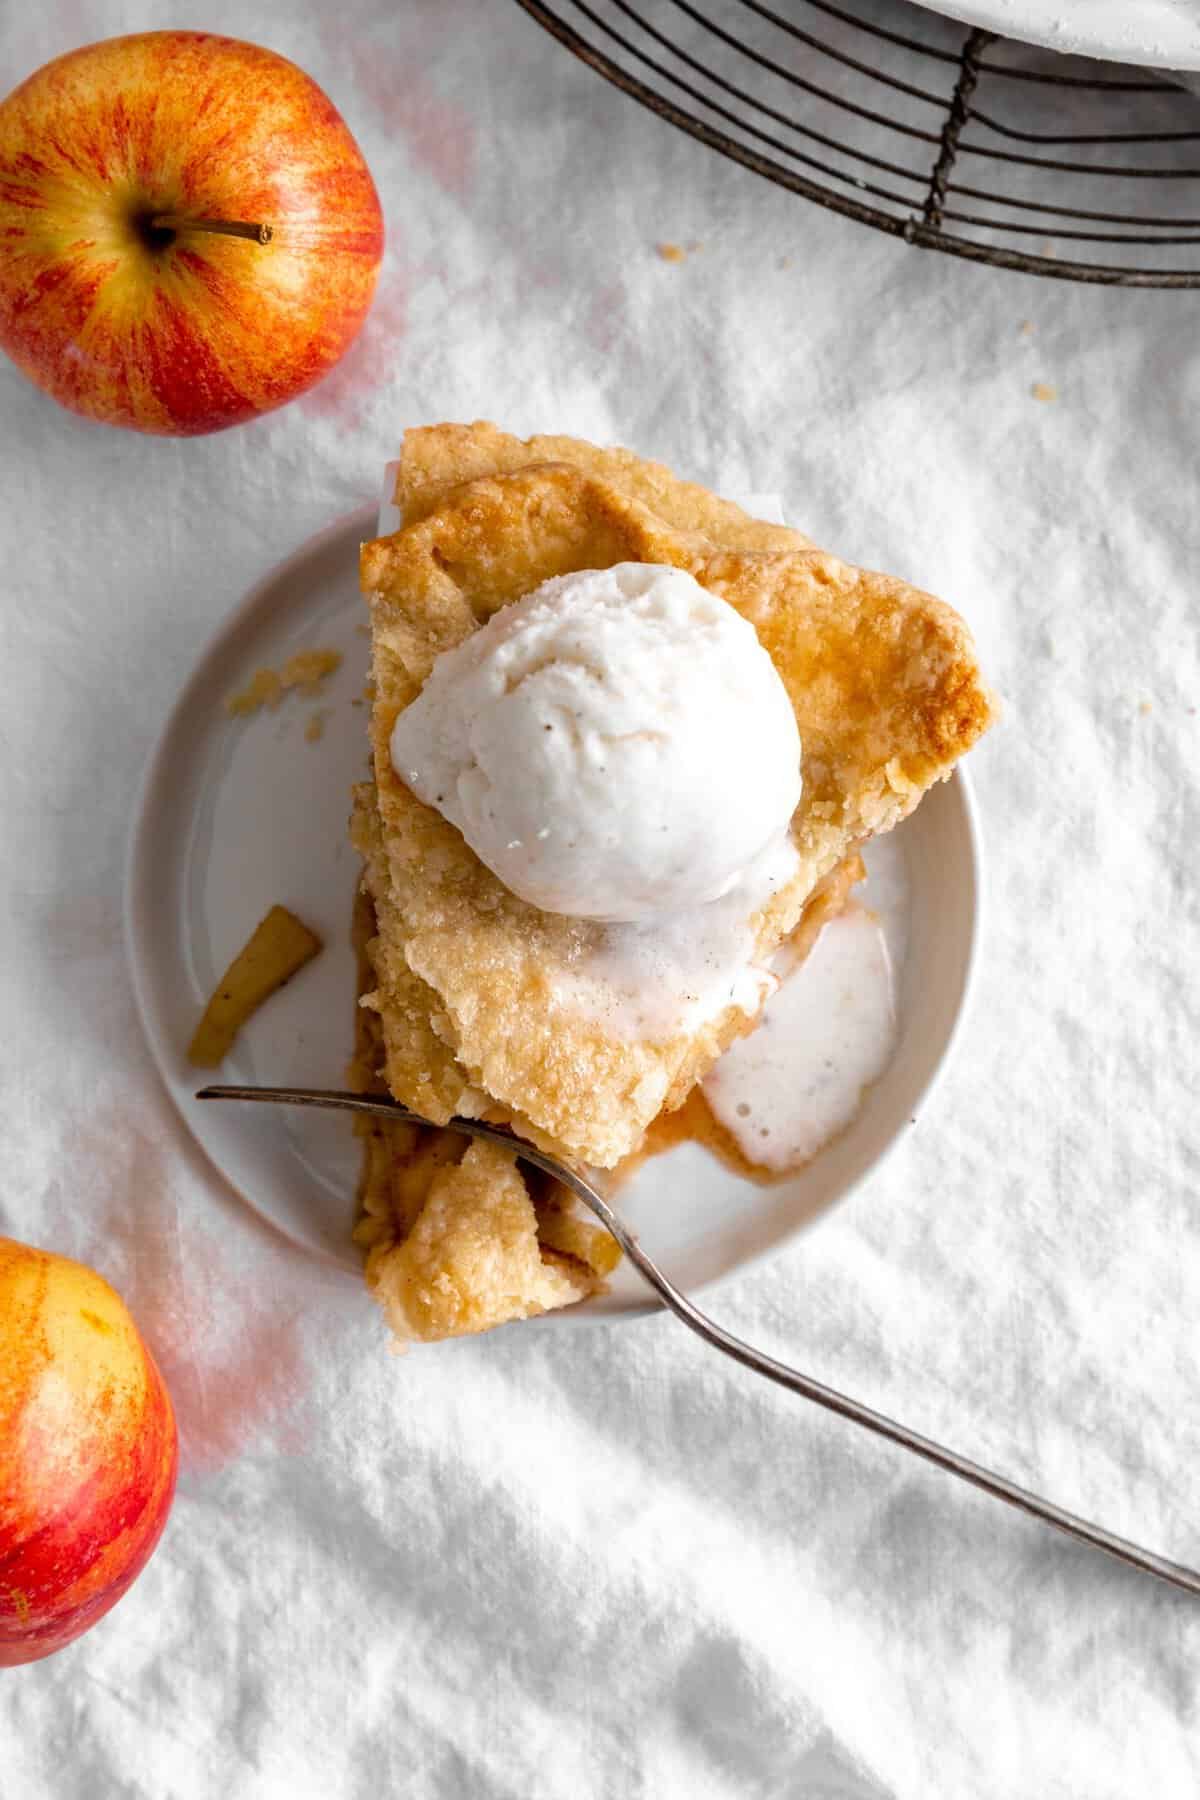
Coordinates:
x,y
1073,1526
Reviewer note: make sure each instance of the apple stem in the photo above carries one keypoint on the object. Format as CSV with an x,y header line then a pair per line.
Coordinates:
x,y
258,234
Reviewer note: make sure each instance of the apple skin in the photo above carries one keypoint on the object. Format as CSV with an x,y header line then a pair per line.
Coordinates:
x,y
187,332
88,1451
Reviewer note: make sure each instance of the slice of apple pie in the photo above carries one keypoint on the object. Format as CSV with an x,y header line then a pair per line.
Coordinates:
x,y
579,1031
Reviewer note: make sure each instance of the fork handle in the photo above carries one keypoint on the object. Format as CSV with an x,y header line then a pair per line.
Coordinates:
x,y
1082,1530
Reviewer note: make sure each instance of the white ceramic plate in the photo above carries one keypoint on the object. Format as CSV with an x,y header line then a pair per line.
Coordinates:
x,y
236,814
1161,34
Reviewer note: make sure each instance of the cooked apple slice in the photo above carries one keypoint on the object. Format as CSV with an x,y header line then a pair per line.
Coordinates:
x,y
281,945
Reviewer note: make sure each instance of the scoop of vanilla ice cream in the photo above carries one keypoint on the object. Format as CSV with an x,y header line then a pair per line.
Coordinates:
x,y
617,745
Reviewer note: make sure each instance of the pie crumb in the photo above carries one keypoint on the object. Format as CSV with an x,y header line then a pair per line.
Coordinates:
x,y
1145,706
1027,328
672,253
1042,390
266,689
309,668
306,670
314,731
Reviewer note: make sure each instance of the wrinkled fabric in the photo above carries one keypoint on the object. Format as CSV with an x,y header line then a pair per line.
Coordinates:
x,y
601,1560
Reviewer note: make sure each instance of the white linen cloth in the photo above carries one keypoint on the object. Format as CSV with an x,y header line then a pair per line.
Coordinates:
x,y
602,1561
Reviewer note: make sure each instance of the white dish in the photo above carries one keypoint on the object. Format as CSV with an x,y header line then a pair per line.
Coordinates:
x,y
236,814
1160,34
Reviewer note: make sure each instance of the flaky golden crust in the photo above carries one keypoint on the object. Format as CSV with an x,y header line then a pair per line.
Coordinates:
x,y
416,1059
472,1259
437,458
458,1272
451,1244
887,696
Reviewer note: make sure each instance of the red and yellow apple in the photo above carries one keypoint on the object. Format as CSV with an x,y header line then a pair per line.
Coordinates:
x,y
88,1451
189,235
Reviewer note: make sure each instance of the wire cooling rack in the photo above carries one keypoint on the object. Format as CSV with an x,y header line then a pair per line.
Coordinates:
x,y
953,139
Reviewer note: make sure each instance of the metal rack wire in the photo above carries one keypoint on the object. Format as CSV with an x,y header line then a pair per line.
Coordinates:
x,y
950,138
